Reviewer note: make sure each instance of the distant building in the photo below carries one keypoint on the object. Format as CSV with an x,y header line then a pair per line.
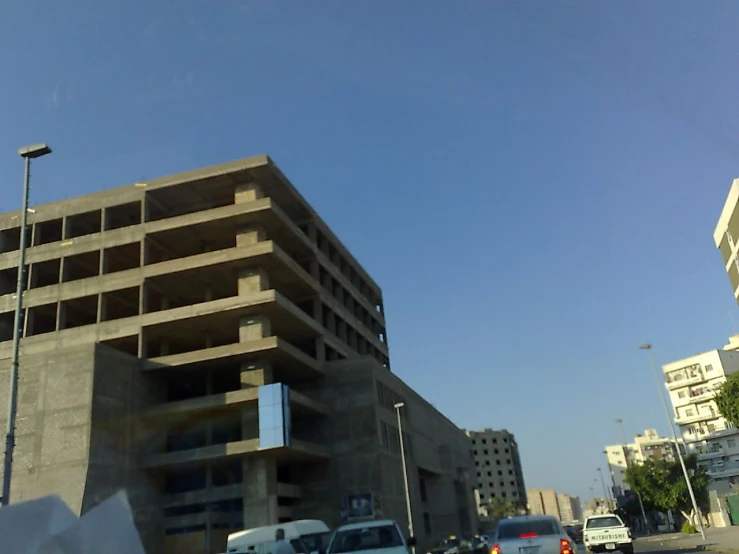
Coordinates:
x,y
564,507
645,447
692,384
498,464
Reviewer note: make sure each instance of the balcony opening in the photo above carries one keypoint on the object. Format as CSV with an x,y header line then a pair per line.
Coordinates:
x,y
120,304
124,215
230,473
127,345
187,435
307,346
225,379
226,429
87,223
185,480
10,239
45,274
48,232
190,241
186,385
121,258
79,312
41,319
81,266
6,326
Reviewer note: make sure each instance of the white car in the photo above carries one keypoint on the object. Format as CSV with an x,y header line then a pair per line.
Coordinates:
x,y
531,535
369,537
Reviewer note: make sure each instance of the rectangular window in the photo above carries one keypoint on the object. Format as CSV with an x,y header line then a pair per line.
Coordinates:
x,y
731,443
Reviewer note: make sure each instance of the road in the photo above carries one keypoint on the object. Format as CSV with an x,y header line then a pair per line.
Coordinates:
x,y
644,547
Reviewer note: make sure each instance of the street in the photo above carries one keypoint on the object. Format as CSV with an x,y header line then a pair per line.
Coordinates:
x,y
667,547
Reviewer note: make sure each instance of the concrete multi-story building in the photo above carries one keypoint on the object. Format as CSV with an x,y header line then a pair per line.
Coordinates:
x,y
564,507
205,342
498,465
649,446
692,384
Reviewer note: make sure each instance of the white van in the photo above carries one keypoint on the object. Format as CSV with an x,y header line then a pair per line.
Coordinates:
x,y
307,536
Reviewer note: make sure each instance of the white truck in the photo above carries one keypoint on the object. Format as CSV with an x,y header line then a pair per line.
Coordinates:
x,y
607,533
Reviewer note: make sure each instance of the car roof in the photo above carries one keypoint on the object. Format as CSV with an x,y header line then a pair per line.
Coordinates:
x,y
365,524
529,518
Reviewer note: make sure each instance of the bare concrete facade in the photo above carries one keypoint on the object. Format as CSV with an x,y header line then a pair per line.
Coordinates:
x,y
205,341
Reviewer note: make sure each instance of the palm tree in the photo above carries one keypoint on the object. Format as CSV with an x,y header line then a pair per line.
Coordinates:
x,y
500,508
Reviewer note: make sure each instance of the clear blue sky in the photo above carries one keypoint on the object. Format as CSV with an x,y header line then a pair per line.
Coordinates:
x,y
533,184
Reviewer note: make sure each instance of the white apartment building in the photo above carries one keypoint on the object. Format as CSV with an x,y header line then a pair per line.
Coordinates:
x,y
692,384
644,447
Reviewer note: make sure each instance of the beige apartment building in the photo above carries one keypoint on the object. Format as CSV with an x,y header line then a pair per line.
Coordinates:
x,y
205,342
498,466
564,507
646,446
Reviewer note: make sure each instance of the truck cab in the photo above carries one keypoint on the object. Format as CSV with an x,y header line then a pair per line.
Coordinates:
x,y
607,533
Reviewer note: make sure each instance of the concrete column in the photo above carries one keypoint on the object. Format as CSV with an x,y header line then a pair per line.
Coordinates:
x,y
61,316
251,234
143,298
144,253
34,230
260,492
102,307
256,374
247,192
141,347
145,209
254,328
27,322
252,280
103,269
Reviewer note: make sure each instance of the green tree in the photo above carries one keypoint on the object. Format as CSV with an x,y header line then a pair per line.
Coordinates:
x,y
727,399
662,485
499,508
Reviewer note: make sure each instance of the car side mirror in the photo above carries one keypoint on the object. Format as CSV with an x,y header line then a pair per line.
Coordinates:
x,y
412,541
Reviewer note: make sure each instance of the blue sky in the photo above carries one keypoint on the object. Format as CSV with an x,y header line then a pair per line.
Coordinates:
x,y
533,184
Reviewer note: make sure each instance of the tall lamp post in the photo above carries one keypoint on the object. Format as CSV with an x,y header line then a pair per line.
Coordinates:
x,y
28,153
398,406
626,458
660,386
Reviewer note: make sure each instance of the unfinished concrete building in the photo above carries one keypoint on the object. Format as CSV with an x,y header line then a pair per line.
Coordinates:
x,y
206,342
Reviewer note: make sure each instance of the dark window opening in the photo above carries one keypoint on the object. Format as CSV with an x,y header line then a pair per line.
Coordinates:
x,y
47,232
84,224
41,319
124,215
81,266
119,304
45,274
79,312
186,480
121,258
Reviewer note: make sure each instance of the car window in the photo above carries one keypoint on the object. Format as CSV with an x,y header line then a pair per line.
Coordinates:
x,y
601,522
366,538
515,529
315,541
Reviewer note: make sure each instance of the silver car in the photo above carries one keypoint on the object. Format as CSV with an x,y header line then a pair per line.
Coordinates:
x,y
531,535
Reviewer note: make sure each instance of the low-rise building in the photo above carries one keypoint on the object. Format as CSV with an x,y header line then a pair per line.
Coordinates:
x,y
498,467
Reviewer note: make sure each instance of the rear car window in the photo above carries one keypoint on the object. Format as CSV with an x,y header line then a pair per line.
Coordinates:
x,y
601,522
514,529
367,538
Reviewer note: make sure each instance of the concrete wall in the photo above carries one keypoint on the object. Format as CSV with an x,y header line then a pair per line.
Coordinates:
x,y
436,451
77,431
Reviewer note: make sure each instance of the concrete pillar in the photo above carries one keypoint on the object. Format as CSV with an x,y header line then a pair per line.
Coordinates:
x,y
27,322
247,192
61,316
250,234
260,492
141,346
102,307
256,374
252,280
144,253
143,298
254,328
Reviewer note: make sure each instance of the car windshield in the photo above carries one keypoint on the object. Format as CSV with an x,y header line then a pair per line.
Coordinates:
x,y
315,541
601,522
366,538
515,529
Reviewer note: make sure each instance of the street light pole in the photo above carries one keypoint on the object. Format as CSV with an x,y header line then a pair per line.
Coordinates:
x,y
603,483
628,464
398,406
660,386
27,153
